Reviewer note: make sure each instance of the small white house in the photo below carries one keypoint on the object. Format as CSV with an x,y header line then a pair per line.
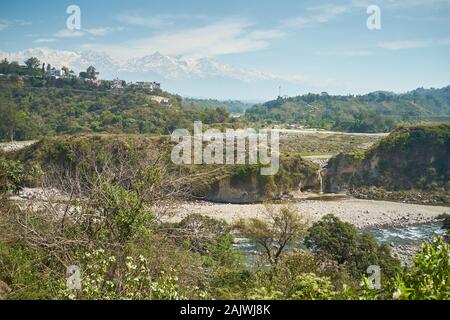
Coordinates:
x,y
161,100
57,73
117,84
148,85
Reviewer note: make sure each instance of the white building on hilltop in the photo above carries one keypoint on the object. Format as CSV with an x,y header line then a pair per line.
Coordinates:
x,y
161,100
117,84
148,85
57,73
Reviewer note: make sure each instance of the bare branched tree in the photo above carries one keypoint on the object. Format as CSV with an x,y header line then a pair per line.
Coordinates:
x,y
281,228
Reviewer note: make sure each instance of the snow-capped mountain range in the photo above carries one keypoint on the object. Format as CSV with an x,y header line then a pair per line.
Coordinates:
x,y
166,67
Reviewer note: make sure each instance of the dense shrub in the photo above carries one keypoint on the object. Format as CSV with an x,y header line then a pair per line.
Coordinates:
x,y
12,176
342,242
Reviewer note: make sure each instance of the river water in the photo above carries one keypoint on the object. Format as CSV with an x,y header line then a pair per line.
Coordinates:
x,y
395,236
407,235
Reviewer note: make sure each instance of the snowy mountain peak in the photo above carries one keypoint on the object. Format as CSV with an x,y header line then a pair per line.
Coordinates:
x,y
166,67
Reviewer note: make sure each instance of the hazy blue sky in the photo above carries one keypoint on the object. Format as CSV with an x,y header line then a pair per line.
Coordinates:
x,y
313,45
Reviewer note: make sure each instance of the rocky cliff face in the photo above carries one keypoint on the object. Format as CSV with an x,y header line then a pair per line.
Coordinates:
x,y
249,190
340,172
409,158
230,184
246,185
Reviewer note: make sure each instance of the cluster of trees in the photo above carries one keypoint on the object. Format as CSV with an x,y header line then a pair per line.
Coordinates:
x,y
41,107
31,68
34,68
374,112
100,220
90,73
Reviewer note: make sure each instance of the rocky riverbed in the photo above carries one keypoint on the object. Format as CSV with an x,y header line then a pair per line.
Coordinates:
x,y
403,226
360,213
435,197
15,145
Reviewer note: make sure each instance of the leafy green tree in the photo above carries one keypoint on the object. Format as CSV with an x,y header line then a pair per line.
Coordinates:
x,y
200,231
122,212
91,73
12,176
66,70
342,242
209,237
332,236
8,119
32,63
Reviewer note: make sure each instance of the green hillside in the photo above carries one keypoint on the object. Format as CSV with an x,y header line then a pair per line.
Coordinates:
x,y
34,107
373,112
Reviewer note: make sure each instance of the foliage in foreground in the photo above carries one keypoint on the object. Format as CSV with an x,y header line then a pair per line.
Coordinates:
x,y
106,222
12,176
184,260
429,278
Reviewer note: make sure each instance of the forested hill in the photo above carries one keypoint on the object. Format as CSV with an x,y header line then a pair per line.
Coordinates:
x,y
32,107
233,106
374,112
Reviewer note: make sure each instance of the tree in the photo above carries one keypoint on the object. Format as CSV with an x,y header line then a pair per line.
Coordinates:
x,y
91,73
4,66
66,70
12,176
200,230
332,236
8,110
32,63
282,228
341,242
